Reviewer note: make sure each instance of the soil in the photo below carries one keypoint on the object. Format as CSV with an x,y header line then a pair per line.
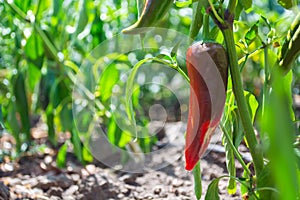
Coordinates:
x,y
35,175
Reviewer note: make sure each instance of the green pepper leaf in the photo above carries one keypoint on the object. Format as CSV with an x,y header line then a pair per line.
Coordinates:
x,y
252,104
213,190
246,4
251,34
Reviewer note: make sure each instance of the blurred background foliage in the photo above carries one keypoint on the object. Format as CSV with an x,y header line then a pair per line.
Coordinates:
x,y
43,44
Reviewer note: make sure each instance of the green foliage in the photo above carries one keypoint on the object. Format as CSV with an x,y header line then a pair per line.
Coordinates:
x,y
276,123
44,43
251,34
62,156
213,190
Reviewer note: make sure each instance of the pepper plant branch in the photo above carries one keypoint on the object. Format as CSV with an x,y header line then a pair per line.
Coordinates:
x,y
231,6
240,99
215,12
236,152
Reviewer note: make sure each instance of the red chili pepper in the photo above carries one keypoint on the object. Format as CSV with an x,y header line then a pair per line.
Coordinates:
x,y
208,71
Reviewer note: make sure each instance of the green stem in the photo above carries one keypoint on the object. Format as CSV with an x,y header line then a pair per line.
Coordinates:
x,y
266,87
197,180
215,12
241,102
236,152
197,20
206,27
231,6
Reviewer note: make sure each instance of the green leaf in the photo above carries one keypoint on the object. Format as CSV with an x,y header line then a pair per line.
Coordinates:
x,y
34,47
238,10
251,34
279,126
108,79
175,49
252,104
246,4
245,180
77,146
21,103
83,17
13,124
265,179
50,124
57,5
34,75
113,132
181,4
286,3
42,7
86,154
62,155
213,190
238,130
213,34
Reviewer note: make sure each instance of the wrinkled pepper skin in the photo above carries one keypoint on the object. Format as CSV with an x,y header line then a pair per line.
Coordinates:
x,y
153,11
208,71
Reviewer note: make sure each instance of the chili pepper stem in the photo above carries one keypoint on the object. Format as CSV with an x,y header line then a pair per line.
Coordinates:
x,y
197,181
238,91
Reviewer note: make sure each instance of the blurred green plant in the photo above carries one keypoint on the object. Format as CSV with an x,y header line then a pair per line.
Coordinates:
x,y
43,44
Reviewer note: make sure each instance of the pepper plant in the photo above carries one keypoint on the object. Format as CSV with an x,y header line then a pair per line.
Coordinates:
x,y
267,125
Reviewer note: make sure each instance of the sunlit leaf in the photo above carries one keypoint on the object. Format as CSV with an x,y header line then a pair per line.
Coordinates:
x,y
251,34
252,104
181,4
62,156
86,154
34,47
34,75
286,3
108,79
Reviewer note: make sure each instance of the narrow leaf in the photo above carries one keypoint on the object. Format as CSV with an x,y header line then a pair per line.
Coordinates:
x,y
61,156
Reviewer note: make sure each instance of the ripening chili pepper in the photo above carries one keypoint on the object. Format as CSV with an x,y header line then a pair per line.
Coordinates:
x,y
153,11
208,71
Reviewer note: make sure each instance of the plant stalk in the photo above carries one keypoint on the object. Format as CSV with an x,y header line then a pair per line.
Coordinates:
x,y
238,91
197,181
236,152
